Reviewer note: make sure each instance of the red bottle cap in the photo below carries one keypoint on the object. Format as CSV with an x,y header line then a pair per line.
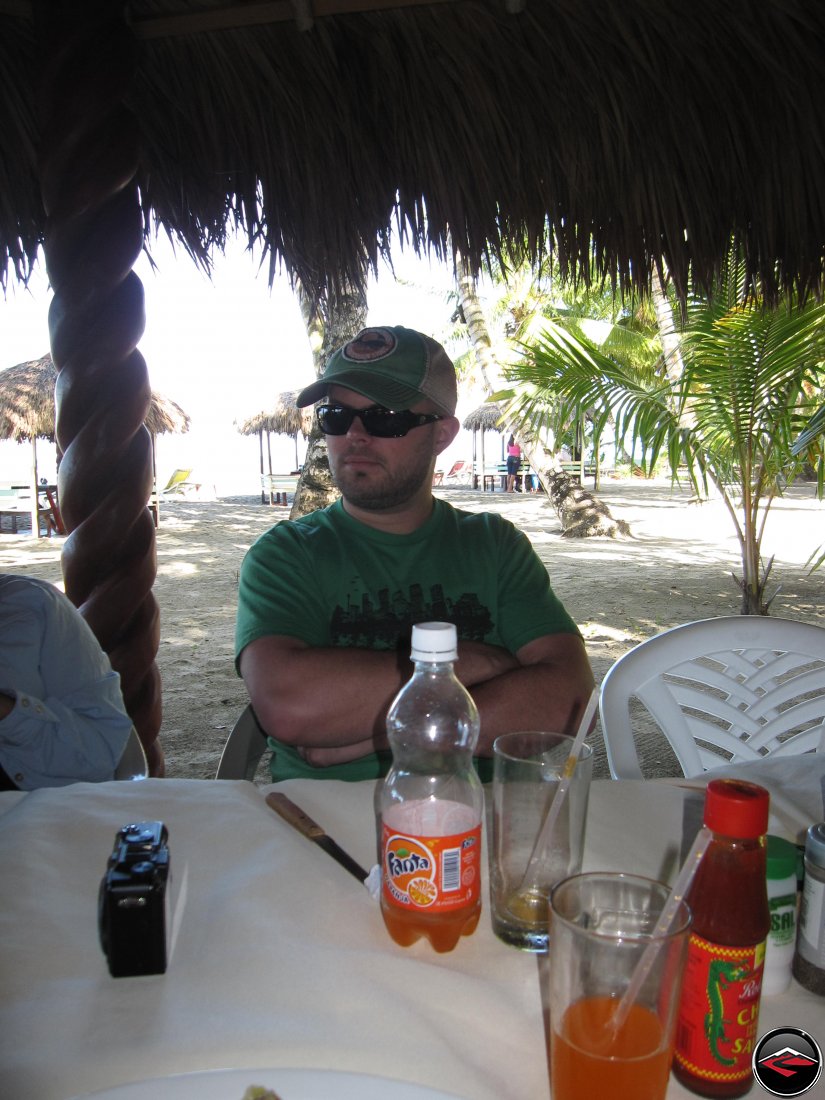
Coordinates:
x,y
736,808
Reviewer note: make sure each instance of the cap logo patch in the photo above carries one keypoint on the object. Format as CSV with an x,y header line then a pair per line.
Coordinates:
x,y
370,345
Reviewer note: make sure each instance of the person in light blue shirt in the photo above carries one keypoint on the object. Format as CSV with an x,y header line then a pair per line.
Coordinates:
x,y
62,718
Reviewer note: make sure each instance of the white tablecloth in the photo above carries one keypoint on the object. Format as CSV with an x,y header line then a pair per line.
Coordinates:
x,y
280,957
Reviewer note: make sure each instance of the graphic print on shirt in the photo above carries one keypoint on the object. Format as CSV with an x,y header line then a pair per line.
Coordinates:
x,y
381,622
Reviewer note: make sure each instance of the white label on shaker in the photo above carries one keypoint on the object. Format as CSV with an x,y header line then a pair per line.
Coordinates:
x,y
811,930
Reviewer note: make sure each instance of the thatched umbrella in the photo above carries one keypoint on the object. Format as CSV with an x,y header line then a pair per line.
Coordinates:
x,y
27,411
483,419
27,404
284,419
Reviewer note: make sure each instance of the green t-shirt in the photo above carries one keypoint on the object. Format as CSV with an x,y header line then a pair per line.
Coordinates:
x,y
332,581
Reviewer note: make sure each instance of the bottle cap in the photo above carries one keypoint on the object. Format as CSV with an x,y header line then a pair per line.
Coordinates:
x,y
434,642
815,844
781,858
736,808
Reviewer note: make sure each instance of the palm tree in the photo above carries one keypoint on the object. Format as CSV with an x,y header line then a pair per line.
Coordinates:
x,y
728,419
806,445
581,514
329,322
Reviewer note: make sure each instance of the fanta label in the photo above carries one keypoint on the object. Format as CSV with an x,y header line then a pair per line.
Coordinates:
x,y
436,873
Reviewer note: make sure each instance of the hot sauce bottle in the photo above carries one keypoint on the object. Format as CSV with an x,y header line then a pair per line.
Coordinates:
x,y
718,1018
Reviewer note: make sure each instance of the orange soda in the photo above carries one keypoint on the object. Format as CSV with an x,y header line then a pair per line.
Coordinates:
x,y
591,1058
429,807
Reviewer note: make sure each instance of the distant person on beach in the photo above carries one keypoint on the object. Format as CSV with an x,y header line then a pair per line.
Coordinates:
x,y
62,717
513,463
327,601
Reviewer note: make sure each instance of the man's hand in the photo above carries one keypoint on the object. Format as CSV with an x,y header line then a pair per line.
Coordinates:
x,y
547,690
324,758
6,705
478,662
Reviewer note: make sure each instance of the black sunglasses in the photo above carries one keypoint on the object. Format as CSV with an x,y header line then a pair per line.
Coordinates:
x,y
377,421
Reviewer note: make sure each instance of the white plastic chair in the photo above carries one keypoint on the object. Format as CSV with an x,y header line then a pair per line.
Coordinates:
x,y
722,691
244,748
133,763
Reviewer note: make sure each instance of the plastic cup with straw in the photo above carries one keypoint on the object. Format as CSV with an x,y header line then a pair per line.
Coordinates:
x,y
544,840
661,929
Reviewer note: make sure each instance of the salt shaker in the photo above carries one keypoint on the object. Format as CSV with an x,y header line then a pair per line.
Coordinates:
x,y
809,960
779,949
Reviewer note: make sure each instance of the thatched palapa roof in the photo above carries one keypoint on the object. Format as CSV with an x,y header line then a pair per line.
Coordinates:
x,y
630,131
484,419
27,404
285,418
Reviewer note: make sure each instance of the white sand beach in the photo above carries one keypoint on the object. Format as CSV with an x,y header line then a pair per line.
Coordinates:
x,y
677,567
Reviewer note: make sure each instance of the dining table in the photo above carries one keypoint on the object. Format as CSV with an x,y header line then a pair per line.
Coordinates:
x,y
279,960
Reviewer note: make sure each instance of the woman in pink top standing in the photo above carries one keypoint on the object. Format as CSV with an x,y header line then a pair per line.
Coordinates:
x,y
513,463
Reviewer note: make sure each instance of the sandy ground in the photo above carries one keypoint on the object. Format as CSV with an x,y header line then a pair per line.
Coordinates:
x,y
677,567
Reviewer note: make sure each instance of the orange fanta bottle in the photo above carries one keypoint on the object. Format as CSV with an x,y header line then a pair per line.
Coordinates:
x,y
429,807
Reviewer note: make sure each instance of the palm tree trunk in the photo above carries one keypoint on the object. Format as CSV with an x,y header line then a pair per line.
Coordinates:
x,y
674,365
581,513
476,326
329,324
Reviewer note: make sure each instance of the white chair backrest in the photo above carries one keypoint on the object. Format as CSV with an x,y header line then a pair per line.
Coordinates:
x,y
722,691
132,764
244,748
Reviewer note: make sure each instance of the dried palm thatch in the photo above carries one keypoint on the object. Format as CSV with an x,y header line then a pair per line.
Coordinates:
x,y
284,419
484,419
166,416
622,135
27,404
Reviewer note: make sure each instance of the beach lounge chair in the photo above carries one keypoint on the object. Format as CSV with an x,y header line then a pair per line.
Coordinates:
x,y
722,691
460,472
179,482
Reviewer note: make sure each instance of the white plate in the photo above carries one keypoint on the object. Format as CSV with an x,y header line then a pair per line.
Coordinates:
x,y
291,1084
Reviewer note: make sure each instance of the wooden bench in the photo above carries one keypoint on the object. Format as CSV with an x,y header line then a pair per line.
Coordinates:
x,y
278,487
576,470
16,501
498,473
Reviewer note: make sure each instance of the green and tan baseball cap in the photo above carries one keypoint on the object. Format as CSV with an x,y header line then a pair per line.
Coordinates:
x,y
395,367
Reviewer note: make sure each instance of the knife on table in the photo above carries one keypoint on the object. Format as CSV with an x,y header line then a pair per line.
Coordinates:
x,y
296,817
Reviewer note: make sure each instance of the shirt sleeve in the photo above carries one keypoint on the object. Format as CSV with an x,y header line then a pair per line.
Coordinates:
x,y
68,722
280,591
528,606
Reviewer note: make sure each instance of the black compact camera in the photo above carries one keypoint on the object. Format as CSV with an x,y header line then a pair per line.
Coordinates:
x,y
133,903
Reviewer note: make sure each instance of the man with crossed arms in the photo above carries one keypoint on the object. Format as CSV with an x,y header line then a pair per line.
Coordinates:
x,y
327,601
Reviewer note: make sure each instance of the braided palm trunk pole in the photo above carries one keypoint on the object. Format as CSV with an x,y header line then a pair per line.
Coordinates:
x,y
88,168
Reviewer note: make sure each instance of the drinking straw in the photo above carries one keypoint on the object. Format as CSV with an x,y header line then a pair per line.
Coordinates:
x,y
663,926
541,847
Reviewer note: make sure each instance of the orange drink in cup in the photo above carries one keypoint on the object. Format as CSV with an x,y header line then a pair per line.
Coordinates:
x,y
601,924
589,1059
